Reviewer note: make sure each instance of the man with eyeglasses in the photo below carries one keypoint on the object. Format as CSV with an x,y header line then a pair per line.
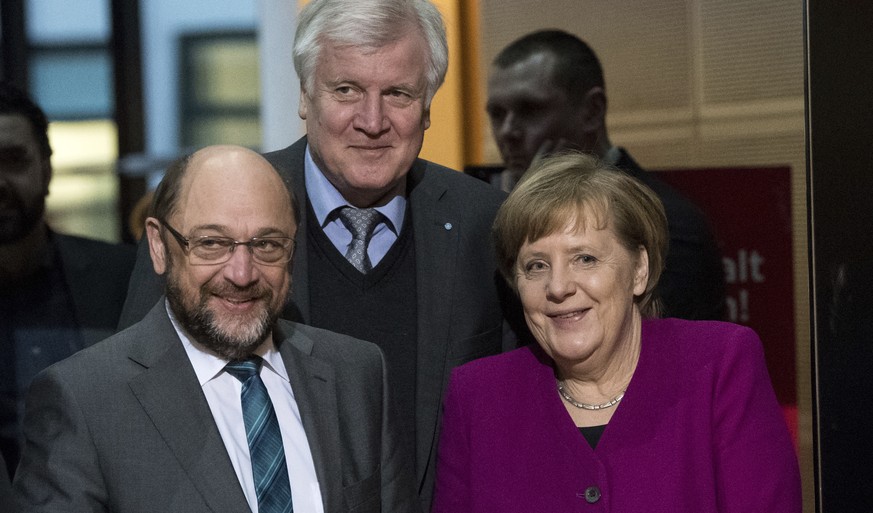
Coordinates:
x,y
211,403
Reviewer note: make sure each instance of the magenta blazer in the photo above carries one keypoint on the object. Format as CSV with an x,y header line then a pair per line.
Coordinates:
x,y
699,430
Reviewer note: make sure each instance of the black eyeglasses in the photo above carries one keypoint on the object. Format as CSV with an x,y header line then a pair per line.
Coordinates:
x,y
211,250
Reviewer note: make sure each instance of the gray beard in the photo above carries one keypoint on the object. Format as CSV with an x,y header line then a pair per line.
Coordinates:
x,y
199,323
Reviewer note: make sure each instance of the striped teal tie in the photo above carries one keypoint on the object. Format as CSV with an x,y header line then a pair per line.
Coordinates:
x,y
265,439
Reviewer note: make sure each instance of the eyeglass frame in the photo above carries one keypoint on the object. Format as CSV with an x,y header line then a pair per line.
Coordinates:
x,y
185,244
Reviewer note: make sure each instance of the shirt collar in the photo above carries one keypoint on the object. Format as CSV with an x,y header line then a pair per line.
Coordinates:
x,y
208,366
325,199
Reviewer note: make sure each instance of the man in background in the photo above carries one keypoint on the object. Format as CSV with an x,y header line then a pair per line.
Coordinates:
x,y
210,403
58,293
391,248
546,93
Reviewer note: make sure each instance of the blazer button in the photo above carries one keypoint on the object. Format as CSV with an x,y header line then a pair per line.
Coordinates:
x,y
592,494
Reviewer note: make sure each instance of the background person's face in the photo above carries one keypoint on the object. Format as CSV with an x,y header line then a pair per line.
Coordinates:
x,y
526,110
366,118
24,178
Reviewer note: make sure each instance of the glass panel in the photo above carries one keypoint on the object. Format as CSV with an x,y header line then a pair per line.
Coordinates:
x,y
83,193
225,73
220,91
72,83
55,21
219,129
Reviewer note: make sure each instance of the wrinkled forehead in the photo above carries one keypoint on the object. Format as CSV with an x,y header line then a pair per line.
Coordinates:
x,y
369,39
246,193
511,89
539,65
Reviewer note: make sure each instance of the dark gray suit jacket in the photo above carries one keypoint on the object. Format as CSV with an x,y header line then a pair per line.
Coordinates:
x,y
123,426
461,299
96,273
6,504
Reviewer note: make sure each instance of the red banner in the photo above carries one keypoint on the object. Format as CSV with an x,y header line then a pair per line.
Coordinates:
x,y
750,212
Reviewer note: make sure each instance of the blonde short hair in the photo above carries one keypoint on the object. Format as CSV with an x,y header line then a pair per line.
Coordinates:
x,y
575,186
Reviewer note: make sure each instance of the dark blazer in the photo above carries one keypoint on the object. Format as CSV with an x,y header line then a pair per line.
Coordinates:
x,y
124,427
461,299
698,430
97,274
692,285
6,503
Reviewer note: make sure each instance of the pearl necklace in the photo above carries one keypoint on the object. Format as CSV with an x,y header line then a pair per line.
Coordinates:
x,y
585,406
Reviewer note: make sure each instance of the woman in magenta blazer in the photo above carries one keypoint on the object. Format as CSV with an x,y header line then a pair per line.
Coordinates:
x,y
613,409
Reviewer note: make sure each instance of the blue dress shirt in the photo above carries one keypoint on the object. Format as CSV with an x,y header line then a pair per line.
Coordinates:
x,y
326,201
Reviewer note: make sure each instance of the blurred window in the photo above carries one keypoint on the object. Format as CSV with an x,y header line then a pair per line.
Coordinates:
x,y
220,89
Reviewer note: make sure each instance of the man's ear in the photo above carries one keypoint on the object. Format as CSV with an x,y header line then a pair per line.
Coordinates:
x,y
594,110
426,118
157,249
303,106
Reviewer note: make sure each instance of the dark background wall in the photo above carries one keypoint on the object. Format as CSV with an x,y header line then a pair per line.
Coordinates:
x,y
840,163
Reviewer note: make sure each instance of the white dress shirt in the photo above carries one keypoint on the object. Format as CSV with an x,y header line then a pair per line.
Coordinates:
x,y
222,392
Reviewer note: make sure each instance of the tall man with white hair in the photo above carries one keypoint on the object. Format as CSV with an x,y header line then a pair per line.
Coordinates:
x,y
391,248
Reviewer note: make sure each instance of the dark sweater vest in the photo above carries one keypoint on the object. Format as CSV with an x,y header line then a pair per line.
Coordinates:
x,y
380,306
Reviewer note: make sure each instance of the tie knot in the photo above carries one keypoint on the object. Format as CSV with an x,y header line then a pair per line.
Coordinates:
x,y
360,221
244,369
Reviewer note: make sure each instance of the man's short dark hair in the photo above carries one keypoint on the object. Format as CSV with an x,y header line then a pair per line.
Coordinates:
x,y
15,101
577,67
166,198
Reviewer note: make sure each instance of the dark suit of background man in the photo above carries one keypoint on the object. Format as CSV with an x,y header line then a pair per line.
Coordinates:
x,y
368,71
154,419
7,505
546,93
58,293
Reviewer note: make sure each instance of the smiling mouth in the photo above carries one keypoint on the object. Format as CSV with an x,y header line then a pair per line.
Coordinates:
x,y
569,315
371,147
231,303
238,300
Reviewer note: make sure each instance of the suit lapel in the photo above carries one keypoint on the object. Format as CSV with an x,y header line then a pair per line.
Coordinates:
x,y
314,385
170,394
436,227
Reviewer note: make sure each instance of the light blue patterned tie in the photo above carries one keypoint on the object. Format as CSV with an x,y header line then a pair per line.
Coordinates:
x,y
265,439
361,222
